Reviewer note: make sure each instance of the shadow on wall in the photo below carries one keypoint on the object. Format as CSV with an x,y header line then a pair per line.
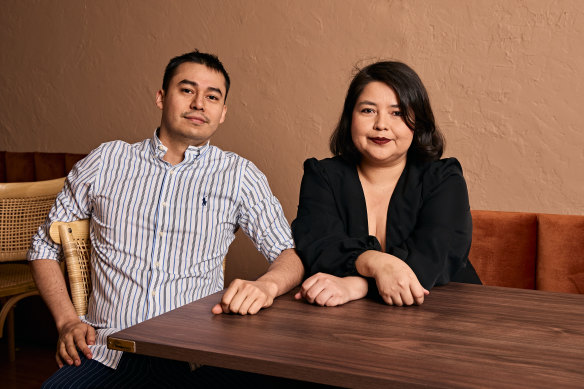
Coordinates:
x,y
243,260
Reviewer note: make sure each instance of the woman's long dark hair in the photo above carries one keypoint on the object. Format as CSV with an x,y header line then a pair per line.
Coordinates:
x,y
427,143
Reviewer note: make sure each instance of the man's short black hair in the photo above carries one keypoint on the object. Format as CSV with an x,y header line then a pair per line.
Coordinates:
x,y
209,60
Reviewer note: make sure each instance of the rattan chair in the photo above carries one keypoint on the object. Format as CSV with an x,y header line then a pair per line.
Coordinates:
x,y
23,208
74,238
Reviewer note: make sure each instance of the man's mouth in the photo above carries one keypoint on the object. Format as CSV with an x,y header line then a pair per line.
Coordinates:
x,y
196,119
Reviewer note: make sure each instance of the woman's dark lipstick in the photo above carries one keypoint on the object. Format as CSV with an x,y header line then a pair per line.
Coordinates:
x,y
380,141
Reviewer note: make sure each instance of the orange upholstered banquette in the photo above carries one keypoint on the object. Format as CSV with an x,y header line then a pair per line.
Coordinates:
x,y
529,250
27,167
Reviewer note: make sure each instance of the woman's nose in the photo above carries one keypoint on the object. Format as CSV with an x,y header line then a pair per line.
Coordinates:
x,y
381,123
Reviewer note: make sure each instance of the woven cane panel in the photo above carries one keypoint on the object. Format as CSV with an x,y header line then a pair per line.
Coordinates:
x,y
83,251
20,218
15,278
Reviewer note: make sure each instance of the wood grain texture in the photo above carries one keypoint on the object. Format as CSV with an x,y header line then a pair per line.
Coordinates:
x,y
463,336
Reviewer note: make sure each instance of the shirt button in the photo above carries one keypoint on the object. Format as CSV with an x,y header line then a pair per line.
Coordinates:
x,y
161,233
172,172
157,264
161,148
165,204
154,292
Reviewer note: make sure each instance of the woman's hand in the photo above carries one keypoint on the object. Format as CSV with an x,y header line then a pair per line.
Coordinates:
x,y
396,281
327,290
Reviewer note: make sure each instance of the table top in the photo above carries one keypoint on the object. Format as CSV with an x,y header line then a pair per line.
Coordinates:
x,y
467,336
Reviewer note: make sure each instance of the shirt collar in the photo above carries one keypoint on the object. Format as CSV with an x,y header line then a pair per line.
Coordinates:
x,y
192,153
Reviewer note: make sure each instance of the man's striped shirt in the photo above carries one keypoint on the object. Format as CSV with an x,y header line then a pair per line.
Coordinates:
x,y
159,232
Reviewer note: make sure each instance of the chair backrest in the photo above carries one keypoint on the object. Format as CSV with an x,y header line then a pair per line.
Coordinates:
x,y
74,238
24,206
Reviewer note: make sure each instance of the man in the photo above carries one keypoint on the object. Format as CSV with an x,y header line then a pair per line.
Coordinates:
x,y
163,213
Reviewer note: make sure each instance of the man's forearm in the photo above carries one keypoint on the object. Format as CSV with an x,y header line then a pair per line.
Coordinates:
x,y
285,272
51,283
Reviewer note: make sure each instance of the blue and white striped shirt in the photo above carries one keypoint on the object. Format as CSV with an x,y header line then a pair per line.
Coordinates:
x,y
160,232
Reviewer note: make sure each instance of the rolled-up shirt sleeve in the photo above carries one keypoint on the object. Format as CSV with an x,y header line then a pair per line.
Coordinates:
x,y
261,215
320,232
72,203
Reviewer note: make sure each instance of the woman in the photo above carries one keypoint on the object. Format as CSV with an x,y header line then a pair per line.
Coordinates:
x,y
385,215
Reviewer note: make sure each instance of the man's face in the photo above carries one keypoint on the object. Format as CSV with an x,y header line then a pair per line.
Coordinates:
x,y
193,105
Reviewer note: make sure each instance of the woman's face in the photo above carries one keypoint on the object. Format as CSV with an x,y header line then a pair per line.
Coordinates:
x,y
377,128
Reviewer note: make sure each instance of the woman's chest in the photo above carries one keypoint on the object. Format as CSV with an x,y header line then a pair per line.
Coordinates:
x,y
376,204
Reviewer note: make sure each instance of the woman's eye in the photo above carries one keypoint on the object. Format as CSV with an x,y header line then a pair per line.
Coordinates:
x,y
367,110
397,113
185,90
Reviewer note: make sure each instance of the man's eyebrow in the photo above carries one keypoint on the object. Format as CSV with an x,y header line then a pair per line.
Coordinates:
x,y
188,82
194,84
215,90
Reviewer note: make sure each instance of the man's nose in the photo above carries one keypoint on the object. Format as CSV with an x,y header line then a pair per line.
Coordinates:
x,y
197,102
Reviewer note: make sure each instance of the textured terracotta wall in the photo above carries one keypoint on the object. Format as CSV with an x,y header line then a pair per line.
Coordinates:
x,y
506,79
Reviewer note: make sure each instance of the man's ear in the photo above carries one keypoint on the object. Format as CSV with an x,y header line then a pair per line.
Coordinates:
x,y
222,119
160,99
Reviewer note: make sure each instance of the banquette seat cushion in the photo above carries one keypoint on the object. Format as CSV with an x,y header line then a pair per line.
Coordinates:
x,y
503,249
33,166
529,250
560,250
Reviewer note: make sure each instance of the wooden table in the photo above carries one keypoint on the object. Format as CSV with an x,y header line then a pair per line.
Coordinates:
x,y
465,336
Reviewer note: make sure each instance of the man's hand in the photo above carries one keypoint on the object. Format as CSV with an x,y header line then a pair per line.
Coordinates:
x,y
246,297
327,290
396,281
72,336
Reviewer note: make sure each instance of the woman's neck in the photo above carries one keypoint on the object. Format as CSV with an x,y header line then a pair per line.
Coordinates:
x,y
379,175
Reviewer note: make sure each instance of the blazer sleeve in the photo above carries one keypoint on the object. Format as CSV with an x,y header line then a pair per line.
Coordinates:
x,y
320,231
438,247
